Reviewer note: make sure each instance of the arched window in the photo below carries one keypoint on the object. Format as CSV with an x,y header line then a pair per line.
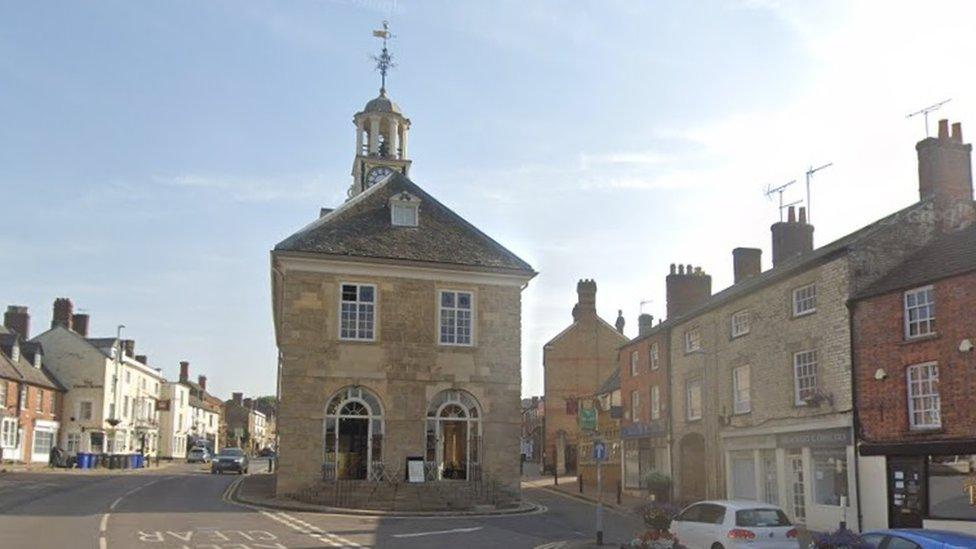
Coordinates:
x,y
453,436
353,435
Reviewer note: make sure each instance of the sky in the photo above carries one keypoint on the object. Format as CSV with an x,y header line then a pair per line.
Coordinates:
x,y
153,152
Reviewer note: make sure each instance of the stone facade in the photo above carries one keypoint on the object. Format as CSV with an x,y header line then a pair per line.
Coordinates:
x,y
576,362
404,367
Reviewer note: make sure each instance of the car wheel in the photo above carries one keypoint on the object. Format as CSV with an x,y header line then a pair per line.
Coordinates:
x,y
718,546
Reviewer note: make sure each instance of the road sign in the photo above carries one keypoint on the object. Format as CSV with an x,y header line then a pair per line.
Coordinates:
x,y
599,451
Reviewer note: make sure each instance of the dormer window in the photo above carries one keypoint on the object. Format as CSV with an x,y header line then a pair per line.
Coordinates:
x,y
404,210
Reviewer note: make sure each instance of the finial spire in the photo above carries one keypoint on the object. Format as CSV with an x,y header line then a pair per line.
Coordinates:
x,y
384,61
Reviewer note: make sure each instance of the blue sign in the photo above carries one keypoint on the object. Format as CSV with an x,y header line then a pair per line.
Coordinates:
x,y
599,451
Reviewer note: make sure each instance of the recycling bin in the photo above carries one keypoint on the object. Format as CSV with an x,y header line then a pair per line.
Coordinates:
x,y
84,460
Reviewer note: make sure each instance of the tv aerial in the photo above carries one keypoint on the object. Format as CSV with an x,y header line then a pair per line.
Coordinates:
x,y
810,171
770,190
925,113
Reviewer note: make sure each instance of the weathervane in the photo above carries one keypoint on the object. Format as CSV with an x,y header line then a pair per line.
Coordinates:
x,y
384,61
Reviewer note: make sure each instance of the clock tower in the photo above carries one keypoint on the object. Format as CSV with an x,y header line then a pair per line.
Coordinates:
x,y
381,132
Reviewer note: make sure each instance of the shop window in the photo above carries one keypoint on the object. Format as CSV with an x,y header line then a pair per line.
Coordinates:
x,y
952,487
830,476
797,485
73,443
43,442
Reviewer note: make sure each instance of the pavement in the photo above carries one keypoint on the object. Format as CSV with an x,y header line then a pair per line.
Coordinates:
x,y
184,506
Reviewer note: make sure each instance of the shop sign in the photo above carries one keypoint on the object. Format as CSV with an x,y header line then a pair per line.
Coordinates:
x,y
825,438
642,430
587,419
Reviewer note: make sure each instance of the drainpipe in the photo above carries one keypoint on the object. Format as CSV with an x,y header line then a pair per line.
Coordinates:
x,y
851,306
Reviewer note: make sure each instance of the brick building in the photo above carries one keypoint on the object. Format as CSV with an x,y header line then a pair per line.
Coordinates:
x,y
644,364
575,364
30,397
788,328
606,403
915,380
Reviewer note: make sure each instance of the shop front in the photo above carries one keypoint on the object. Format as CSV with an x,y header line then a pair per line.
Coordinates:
x,y
807,473
645,449
920,485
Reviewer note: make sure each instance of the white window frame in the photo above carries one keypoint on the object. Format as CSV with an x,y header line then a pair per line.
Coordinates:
x,y
634,357
655,356
358,333
655,402
24,394
8,433
692,340
923,396
799,300
635,406
929,307
72,443
740,323
742,396
456,310
413,210
3,393
691,415
799,377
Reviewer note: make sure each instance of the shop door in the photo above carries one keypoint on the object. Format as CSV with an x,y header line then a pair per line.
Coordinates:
x,y
906,492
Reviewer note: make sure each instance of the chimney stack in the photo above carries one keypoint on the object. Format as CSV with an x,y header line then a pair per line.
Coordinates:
x,y
184,371
945,165
746,262
791,238
586,305
17,319
237,398
644,324
63,309
79,323
142,359
686,288
129,347
249,403
202,382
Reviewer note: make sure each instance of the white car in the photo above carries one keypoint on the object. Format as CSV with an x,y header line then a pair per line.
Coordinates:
x,y
734,525
198,454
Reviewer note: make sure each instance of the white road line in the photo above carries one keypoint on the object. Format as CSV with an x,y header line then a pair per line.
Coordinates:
x,y
336,537
103,526
438,532
297,528
115,503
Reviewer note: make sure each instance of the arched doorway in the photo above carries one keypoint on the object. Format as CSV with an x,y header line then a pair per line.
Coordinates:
x,y
353,435
692,486
453,436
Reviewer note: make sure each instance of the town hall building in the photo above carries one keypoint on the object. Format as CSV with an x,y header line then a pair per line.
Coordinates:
x,y
398,325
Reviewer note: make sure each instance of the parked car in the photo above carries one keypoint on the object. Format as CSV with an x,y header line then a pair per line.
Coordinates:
x,y
198,454
909,538
734,524
229,459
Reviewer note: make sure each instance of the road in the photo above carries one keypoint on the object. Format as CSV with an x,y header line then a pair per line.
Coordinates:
x,y
185,507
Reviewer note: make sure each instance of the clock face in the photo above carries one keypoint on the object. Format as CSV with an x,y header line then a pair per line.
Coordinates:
x,y
376,175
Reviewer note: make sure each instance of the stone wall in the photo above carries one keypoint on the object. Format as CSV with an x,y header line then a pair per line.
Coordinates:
x,y
405,367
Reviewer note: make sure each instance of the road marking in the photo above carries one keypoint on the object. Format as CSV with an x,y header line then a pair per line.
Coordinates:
x,y
438,532
310,530
606,507
103,526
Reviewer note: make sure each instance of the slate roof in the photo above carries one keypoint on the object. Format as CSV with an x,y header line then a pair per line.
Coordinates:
x,y
610,384
361,228
23,369
948,255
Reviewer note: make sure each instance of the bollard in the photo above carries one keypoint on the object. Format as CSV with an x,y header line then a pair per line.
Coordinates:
x,y
270,464
620,489
555,476
580,480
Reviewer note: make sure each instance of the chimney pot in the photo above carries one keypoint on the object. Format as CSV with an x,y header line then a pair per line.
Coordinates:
x,y
17,319
63,309
644,324
184,371
619,325
791,215
672,268
746,262
79,324
945,169
803,215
